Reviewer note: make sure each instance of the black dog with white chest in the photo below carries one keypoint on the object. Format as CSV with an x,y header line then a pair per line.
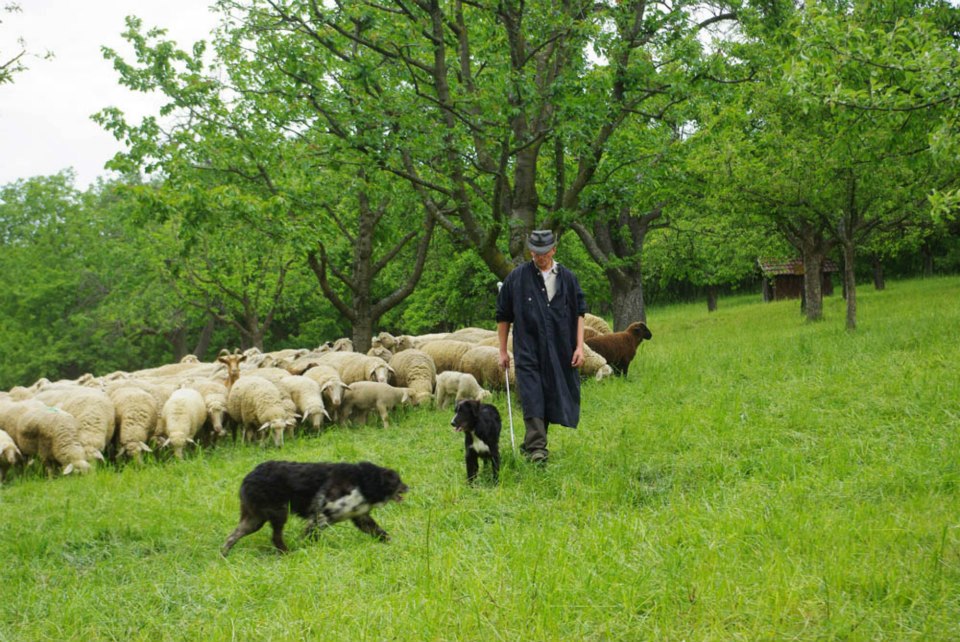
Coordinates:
x,y
321,493
480,424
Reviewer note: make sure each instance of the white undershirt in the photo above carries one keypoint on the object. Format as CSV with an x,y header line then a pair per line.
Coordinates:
x,y
550,280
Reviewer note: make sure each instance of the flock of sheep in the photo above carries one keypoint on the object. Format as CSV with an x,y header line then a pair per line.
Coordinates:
x,y
71,425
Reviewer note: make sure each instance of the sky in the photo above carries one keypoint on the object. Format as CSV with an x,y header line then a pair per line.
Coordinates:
x,y
45,124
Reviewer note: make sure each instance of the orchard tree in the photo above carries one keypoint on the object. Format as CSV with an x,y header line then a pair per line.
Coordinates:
x,y
500,116
235,133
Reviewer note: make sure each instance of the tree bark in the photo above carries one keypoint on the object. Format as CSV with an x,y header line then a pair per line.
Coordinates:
x,y
813,285
850,284
711,298
879,281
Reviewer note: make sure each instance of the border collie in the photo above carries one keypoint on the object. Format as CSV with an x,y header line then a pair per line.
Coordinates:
x,y
480,425
322,493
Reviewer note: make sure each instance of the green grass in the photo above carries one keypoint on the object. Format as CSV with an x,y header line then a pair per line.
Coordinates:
x,y
755,477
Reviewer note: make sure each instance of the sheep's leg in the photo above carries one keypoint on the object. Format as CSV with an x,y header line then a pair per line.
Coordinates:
x,y
382,409
495,462
370,527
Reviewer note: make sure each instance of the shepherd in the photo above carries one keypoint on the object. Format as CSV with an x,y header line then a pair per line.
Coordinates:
x,y
543,302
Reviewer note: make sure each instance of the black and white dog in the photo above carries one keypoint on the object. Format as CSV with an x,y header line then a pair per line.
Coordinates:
x,y
321,493
480,424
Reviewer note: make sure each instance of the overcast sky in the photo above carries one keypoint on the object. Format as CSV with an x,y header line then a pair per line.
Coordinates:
x,y
45,123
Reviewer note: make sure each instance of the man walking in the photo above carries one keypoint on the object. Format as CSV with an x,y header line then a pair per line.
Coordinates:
x,y
543,302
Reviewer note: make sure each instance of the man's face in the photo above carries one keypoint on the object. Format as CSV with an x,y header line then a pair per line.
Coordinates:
x,y
545,260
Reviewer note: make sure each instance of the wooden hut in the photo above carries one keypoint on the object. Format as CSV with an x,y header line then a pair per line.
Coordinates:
x,y
783,279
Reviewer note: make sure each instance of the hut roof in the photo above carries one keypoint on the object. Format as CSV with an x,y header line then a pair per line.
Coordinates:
x,y
776,267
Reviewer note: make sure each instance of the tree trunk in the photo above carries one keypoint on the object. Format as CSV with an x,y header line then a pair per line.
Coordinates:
x,y
879,282
178,342
850,285
711,298
813,285
627,302
767,290
363,327
206,335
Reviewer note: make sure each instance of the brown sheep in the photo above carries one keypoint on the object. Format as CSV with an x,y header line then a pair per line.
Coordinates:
x,y
619,348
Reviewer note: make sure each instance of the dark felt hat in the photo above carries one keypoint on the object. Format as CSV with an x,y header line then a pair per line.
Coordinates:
x,y
541,241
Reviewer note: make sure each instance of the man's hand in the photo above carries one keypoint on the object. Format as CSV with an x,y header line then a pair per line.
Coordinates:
x,y
577,360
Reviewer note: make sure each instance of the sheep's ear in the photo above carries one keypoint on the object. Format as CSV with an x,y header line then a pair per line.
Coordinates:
x,y
291,422
68,469
165,442
329,384
145,448
326,414
191,441
305,415
99,455
263,427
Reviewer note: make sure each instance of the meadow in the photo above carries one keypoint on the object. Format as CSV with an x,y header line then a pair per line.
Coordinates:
x,y
755,477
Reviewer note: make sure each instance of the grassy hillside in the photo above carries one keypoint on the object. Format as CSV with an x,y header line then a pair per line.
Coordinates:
x,y
755,477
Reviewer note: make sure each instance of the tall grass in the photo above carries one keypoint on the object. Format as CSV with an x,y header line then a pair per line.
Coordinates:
x,y
755,477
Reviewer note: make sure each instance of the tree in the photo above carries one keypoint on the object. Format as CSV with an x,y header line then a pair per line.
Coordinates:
x,y
237,134
500,116
12,64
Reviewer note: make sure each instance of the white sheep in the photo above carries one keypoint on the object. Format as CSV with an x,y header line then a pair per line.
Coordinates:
x,y
364,396
95,414
214,395
354,366
307,398
597,324
594,365
57,437
457,386
137,414
380,351
332,387
10,455
415,369
483,362
446,353
420,339
181,419
257,404
472,335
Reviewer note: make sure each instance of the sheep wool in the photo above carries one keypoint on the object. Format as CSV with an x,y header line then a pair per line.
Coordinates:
x,y
10,455
483,362
214,395
446,353
331,385
137,414
307,398
57,435
415,370
181,419
257,404
96,416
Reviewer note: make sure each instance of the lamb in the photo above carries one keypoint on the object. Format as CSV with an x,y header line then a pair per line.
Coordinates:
x,y
597,324
457,386
256,402
446,353
415,370
619,348
181,419
364,396
483,362
137,413
10,455
56,435
96,416
332,386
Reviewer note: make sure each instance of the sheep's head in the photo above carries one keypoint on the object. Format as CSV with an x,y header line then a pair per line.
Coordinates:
x,y
333,391
277,427
639,331
11,455
79,466
483,394
133,450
